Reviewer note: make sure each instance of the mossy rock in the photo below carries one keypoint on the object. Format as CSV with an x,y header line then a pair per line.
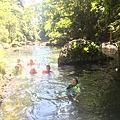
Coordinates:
x,y
80,51
16,44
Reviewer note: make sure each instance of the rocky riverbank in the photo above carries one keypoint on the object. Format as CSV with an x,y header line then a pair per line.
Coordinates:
x,y
5,81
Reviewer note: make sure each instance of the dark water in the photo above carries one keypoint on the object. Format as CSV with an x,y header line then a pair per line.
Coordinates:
x,y
44,97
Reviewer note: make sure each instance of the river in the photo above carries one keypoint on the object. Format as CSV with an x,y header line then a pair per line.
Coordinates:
x,y
44,97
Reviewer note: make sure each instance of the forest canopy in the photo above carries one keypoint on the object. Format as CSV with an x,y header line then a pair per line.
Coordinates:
x,y
48,19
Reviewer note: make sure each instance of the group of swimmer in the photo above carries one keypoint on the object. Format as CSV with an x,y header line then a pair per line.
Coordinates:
x,y
73,89
20,66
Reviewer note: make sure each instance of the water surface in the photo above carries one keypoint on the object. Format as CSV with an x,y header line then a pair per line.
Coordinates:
x,y
44,97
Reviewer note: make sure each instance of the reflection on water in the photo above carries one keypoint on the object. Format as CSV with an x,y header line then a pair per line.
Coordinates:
x,y
44,97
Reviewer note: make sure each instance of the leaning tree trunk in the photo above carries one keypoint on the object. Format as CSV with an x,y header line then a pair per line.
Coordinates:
x,y
111,36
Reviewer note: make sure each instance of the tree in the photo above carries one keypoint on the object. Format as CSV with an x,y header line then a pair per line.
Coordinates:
x,y
112,10
17,23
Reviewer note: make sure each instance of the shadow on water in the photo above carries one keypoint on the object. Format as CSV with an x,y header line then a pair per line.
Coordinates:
x,y
102,88
44,97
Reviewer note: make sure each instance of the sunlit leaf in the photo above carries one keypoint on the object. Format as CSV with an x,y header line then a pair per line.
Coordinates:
x,y
86,49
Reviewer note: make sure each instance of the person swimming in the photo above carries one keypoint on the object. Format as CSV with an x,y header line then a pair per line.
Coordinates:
x,y
20,63
33,71
30,68
17,70
47,71
31,63
74,88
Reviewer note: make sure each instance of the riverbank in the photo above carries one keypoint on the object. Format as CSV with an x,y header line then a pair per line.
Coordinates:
x,y
5,82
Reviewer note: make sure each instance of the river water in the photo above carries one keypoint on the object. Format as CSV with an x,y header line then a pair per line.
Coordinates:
x,y
44,97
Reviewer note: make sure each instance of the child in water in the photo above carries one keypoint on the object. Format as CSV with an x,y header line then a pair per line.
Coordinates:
x,y
31,67
17,70
20,63
33,71
31,63
74,88
47,71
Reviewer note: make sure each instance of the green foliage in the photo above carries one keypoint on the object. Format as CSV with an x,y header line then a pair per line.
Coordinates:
x,y
15,43
76,18
92,48
29,23
2,63
88,47
55,19
4,34
118,43
51,18
81,50
54,34
112,10
63,23
17,23
115,28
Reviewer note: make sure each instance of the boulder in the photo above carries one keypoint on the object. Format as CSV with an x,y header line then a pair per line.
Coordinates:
x,y
80,51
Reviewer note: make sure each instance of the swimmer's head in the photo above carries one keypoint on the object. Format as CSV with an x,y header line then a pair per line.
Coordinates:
x,y
48,67
74,81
